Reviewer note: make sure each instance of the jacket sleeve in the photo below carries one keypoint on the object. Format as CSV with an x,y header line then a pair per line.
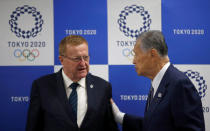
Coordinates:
x,y
112,125
35,115
132,123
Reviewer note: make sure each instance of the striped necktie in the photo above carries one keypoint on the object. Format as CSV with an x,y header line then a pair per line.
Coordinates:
x,y
150,97
73,98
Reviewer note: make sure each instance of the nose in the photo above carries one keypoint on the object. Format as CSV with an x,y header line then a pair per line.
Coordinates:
x,y
82,61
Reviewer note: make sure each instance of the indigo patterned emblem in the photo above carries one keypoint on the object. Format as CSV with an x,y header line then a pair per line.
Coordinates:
x,y
201,83
13,22
145,18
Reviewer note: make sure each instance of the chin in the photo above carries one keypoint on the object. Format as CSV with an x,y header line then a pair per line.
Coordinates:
x,y
82,75
139,73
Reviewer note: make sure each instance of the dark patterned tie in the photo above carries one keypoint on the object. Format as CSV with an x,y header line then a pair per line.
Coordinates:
x,y
73,98
150,97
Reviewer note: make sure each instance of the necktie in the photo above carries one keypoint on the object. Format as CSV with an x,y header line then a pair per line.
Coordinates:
x,y
73,98
150,97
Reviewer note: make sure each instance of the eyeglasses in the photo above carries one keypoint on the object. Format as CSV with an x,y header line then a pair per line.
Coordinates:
x,y
77,58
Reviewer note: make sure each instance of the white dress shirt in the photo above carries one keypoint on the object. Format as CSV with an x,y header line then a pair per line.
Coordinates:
x,y
82,96
156,81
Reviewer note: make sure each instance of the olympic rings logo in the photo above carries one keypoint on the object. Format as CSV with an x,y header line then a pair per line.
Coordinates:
x,y
26,54
128,53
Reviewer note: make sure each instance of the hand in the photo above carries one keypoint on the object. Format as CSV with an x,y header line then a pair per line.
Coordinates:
x,y
118,115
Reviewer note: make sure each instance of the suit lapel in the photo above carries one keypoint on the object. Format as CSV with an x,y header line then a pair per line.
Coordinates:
x,y
162,90
159,95
91,98
63,98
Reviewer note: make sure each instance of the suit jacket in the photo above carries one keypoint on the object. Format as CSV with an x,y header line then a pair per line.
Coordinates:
x,y
49,109
176,106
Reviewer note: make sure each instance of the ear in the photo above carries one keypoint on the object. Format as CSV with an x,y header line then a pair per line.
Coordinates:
x,y
61,59
153,52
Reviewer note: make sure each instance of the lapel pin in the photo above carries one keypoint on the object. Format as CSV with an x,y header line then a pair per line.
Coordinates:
x,y
159,95
91,86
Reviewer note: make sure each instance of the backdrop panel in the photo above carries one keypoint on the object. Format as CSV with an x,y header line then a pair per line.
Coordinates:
x,y
31,31
26,32
126,20
86,18
14,92
186,27
129,91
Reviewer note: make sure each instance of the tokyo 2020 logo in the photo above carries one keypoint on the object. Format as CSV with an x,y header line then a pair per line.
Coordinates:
x,y
26,10
122,21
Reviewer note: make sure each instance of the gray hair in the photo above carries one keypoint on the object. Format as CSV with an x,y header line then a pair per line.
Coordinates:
x,y
153,39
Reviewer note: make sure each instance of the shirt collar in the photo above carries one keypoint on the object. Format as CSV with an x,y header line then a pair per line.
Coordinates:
x,y
68,81
156,81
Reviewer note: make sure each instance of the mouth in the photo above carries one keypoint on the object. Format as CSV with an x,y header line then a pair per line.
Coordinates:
x,y
82,69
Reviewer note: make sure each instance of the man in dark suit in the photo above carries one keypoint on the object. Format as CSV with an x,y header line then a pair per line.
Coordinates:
x,y
173,103
71,99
